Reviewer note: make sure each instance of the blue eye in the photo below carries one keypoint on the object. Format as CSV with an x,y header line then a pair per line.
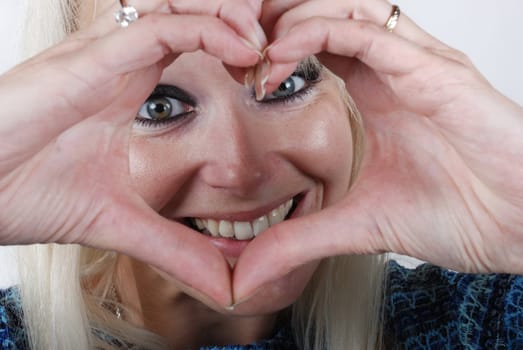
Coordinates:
x,y
163,109
289,87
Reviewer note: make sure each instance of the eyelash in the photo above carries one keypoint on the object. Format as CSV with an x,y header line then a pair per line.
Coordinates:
x,y
299,95
168,92
165,91
151,123
155,123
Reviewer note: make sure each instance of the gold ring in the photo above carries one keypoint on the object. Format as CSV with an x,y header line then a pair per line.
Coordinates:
x,y
393,18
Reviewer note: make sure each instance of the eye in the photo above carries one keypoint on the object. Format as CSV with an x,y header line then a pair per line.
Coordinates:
x,y
161,109
289,87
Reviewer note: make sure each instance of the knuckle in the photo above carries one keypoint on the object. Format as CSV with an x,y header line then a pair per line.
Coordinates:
x,y
461,57
369,27
454,55
151,20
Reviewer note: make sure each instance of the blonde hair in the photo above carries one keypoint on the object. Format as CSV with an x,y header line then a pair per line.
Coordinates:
x,y
66,289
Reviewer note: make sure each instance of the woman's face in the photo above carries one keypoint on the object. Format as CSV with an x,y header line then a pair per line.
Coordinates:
x,y
205,153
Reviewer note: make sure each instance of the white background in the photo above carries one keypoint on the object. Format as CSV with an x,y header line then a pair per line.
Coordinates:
x,y
490,32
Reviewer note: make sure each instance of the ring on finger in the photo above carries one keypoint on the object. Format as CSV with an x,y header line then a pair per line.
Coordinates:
x,y
393,19
126,15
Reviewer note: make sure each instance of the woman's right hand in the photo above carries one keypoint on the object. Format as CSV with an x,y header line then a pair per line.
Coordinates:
x,y
65,124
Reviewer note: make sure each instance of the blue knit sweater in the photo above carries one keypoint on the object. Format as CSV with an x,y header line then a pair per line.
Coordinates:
x,y
425,308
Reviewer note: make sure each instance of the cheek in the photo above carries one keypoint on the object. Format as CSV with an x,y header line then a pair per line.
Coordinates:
x,y
323,149
155,170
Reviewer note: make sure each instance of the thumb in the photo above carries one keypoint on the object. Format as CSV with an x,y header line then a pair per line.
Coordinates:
x,y
138,231
345,228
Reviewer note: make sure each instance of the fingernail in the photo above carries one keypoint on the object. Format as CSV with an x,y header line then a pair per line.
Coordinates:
x,y
264,52
261,77
252,47
245,299
248,80
257,37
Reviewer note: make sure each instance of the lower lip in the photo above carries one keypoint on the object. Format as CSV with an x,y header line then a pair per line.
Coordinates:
x,y
231,248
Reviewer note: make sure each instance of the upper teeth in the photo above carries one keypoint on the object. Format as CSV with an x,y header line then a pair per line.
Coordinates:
x,y
243,230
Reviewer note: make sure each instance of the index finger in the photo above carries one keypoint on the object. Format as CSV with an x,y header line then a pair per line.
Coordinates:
x,y
283,15
240,15
87,81
380,50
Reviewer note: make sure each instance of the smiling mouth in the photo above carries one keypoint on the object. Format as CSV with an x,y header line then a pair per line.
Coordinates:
x,y
244,230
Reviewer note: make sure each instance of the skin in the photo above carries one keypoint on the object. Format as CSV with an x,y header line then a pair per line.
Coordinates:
x,y
441,173
235,155
218,164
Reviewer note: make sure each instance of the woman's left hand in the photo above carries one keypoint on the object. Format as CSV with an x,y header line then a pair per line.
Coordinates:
x,y
442,170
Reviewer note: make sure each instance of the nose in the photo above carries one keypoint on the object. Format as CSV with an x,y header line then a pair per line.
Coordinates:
x,y
236,159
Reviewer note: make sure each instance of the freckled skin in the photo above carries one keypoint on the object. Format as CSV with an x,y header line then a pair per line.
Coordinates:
x,y
233,155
